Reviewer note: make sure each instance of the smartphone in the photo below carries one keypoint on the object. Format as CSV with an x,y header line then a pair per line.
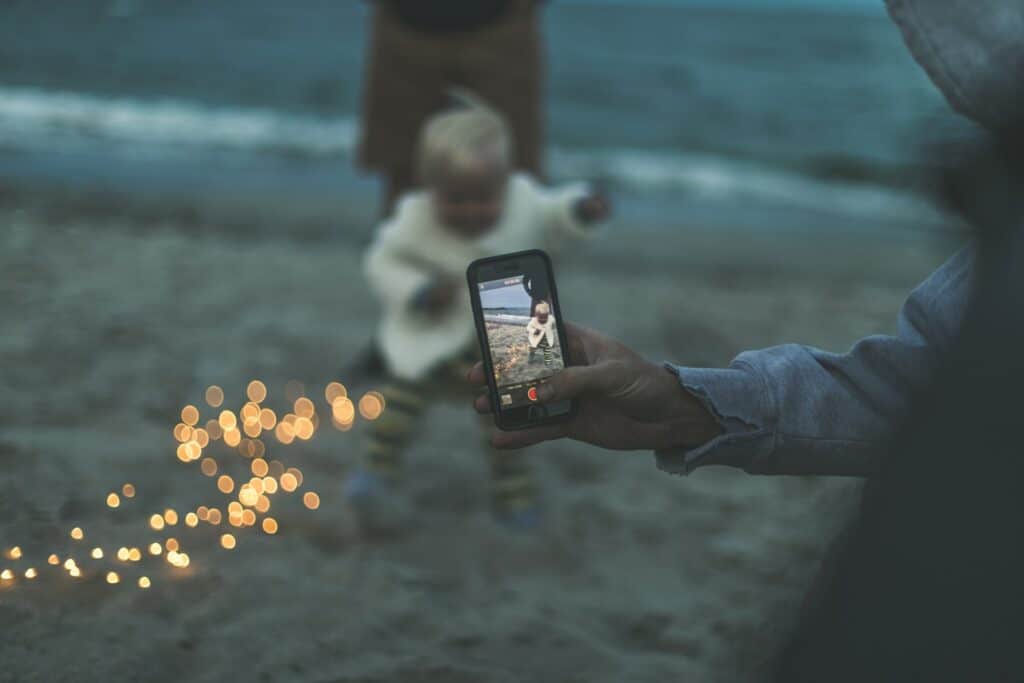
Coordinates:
x,y
522,338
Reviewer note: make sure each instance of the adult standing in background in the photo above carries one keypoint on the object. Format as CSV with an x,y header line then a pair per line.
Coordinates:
x,y
420,48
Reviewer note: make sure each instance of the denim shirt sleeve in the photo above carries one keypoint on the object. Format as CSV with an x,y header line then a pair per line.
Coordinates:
x,y
795,409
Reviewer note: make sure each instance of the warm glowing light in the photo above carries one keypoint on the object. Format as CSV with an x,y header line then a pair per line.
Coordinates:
x,y
256,484
262,504
250,412
97,553
304,407
191,519
113,500
30,573
259,467
6,575
14,553
214,517
248,517
311,500
269,525
304,428
182,432
225,484
192,450
213,428
335,390
112,577
75,572
267,418
297,473
234,508
69,563
269,485
252,429
122,554
227,541
247,496
208,467
190,415
77,533
201,437
256,391
343,410
285,432
128,490
202,512
289,482
293,390
170,516
227,420
371,405
214,396
233,437
155,548
53,559
135,555
171,544
144,582
156,522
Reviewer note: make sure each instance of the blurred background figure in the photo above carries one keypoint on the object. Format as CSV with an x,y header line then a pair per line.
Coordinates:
x,y
418,50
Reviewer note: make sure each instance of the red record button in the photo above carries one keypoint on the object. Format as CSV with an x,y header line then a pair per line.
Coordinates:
x,y
531,393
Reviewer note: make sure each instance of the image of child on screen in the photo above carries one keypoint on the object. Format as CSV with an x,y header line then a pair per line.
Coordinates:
x,y
508,312
541,333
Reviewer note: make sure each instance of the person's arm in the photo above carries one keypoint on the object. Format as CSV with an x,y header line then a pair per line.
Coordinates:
x,y
798,410
568,211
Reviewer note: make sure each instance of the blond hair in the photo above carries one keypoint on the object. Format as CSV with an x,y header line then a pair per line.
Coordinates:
x,y
541,307
457,136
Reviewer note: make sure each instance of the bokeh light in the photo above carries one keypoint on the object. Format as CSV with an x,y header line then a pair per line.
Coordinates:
x,y
112,577
269,525
97,553
128,490
371,405
14,553
144,582
311,500
113,500
170,516
190,415
227,541
208,466
333,391
77,533
225,484
256,391
156,522
214,396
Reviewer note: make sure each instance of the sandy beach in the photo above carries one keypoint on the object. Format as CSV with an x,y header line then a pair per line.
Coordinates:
x,y
113,323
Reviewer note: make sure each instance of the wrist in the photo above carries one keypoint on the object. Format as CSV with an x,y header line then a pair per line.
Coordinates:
x,y
688,422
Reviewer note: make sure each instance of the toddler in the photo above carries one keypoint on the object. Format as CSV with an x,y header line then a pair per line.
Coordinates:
x,y
540,332
470,206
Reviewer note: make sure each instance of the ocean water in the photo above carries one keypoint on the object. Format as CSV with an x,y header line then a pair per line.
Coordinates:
x,y
812,112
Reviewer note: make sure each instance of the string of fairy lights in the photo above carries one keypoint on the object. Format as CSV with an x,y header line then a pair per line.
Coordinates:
x,y
250,496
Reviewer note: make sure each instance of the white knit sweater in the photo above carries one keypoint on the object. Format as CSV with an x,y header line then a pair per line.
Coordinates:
x,y
412,249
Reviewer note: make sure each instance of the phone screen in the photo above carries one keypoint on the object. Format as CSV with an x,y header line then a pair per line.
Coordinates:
x,y
522,335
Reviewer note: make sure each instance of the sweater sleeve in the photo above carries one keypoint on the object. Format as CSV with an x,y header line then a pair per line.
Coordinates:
x,y
795,409
393,276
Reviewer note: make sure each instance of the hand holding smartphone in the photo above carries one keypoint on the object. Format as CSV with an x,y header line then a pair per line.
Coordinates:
x,y
522,338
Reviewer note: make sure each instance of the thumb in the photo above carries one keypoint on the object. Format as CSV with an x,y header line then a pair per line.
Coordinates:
x,y
572,382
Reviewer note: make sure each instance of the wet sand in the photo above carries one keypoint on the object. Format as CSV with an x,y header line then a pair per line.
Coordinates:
x,y
112,324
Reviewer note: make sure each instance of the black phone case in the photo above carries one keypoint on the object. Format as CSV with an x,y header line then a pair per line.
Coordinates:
x,y
485,349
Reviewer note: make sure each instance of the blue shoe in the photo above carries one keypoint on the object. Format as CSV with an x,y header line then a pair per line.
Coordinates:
x,y
377,502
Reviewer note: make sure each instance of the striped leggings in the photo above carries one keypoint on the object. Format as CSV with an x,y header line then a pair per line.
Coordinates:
x,y
399,426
